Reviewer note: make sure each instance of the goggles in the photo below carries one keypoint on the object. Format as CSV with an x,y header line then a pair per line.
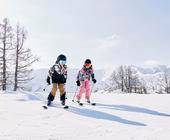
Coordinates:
x,y
62,62
87,65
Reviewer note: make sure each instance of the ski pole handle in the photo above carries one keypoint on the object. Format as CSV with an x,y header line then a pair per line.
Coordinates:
x,y
45,87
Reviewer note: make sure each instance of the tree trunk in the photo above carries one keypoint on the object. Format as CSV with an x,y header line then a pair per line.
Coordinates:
x,y
16,60
16,71
4,61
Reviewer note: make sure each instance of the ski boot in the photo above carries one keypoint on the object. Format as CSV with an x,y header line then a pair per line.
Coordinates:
x,y
48,102
88,101
63,102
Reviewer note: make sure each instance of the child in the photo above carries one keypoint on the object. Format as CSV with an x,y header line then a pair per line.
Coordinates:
x,y
83,80
58,74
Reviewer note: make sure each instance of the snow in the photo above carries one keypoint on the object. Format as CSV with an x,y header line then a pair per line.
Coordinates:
x,y
116,116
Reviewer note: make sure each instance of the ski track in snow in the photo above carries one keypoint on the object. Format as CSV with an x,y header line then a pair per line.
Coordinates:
x,y
115,116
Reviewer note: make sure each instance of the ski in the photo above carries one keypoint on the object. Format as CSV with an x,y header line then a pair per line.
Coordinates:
x,y
46,107
78,102
93,104
81,104
89,103
66,107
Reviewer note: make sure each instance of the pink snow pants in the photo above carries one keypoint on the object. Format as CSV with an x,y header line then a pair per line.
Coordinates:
x,y
84,87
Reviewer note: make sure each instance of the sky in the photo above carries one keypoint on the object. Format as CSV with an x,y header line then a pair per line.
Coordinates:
x,y
109,32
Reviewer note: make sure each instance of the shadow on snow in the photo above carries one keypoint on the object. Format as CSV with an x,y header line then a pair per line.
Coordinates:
x,y
133,109
102,115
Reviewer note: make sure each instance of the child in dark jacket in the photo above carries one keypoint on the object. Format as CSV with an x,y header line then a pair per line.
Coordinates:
x,y
83,80
58,74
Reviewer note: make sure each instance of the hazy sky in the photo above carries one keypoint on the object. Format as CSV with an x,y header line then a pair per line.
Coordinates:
x,y
110,32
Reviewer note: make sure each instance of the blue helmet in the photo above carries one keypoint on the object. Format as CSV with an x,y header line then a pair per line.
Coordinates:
x,y
61,57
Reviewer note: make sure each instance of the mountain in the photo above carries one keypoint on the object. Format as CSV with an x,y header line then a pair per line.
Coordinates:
x,y
153,70
151,76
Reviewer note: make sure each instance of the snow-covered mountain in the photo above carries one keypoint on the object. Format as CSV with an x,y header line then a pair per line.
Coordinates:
x,y
153,70
153,77
150,76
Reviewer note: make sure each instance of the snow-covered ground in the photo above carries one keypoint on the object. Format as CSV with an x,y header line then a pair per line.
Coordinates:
x,y
116,116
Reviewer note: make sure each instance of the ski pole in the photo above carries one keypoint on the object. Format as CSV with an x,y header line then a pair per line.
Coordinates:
x,y
92,88
75,94
45,87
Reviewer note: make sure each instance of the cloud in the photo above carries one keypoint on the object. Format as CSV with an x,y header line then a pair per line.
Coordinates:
x,y
109,42
151,63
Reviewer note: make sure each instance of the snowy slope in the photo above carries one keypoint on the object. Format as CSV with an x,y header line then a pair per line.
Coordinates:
x,y
116,116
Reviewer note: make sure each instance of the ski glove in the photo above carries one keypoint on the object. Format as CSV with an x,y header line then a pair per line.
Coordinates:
x,y
94,81
48,80
64,80
78,83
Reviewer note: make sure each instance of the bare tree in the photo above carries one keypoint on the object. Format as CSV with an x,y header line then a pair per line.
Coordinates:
x,y
112,83
126,79
116,80
133,82
121,77
23,59
162,82
131,79
165,81
5,45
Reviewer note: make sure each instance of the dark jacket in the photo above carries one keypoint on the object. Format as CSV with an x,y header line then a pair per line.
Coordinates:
x,y
58,73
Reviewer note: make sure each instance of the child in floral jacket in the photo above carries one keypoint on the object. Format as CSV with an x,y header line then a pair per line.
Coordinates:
x,y
83,80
